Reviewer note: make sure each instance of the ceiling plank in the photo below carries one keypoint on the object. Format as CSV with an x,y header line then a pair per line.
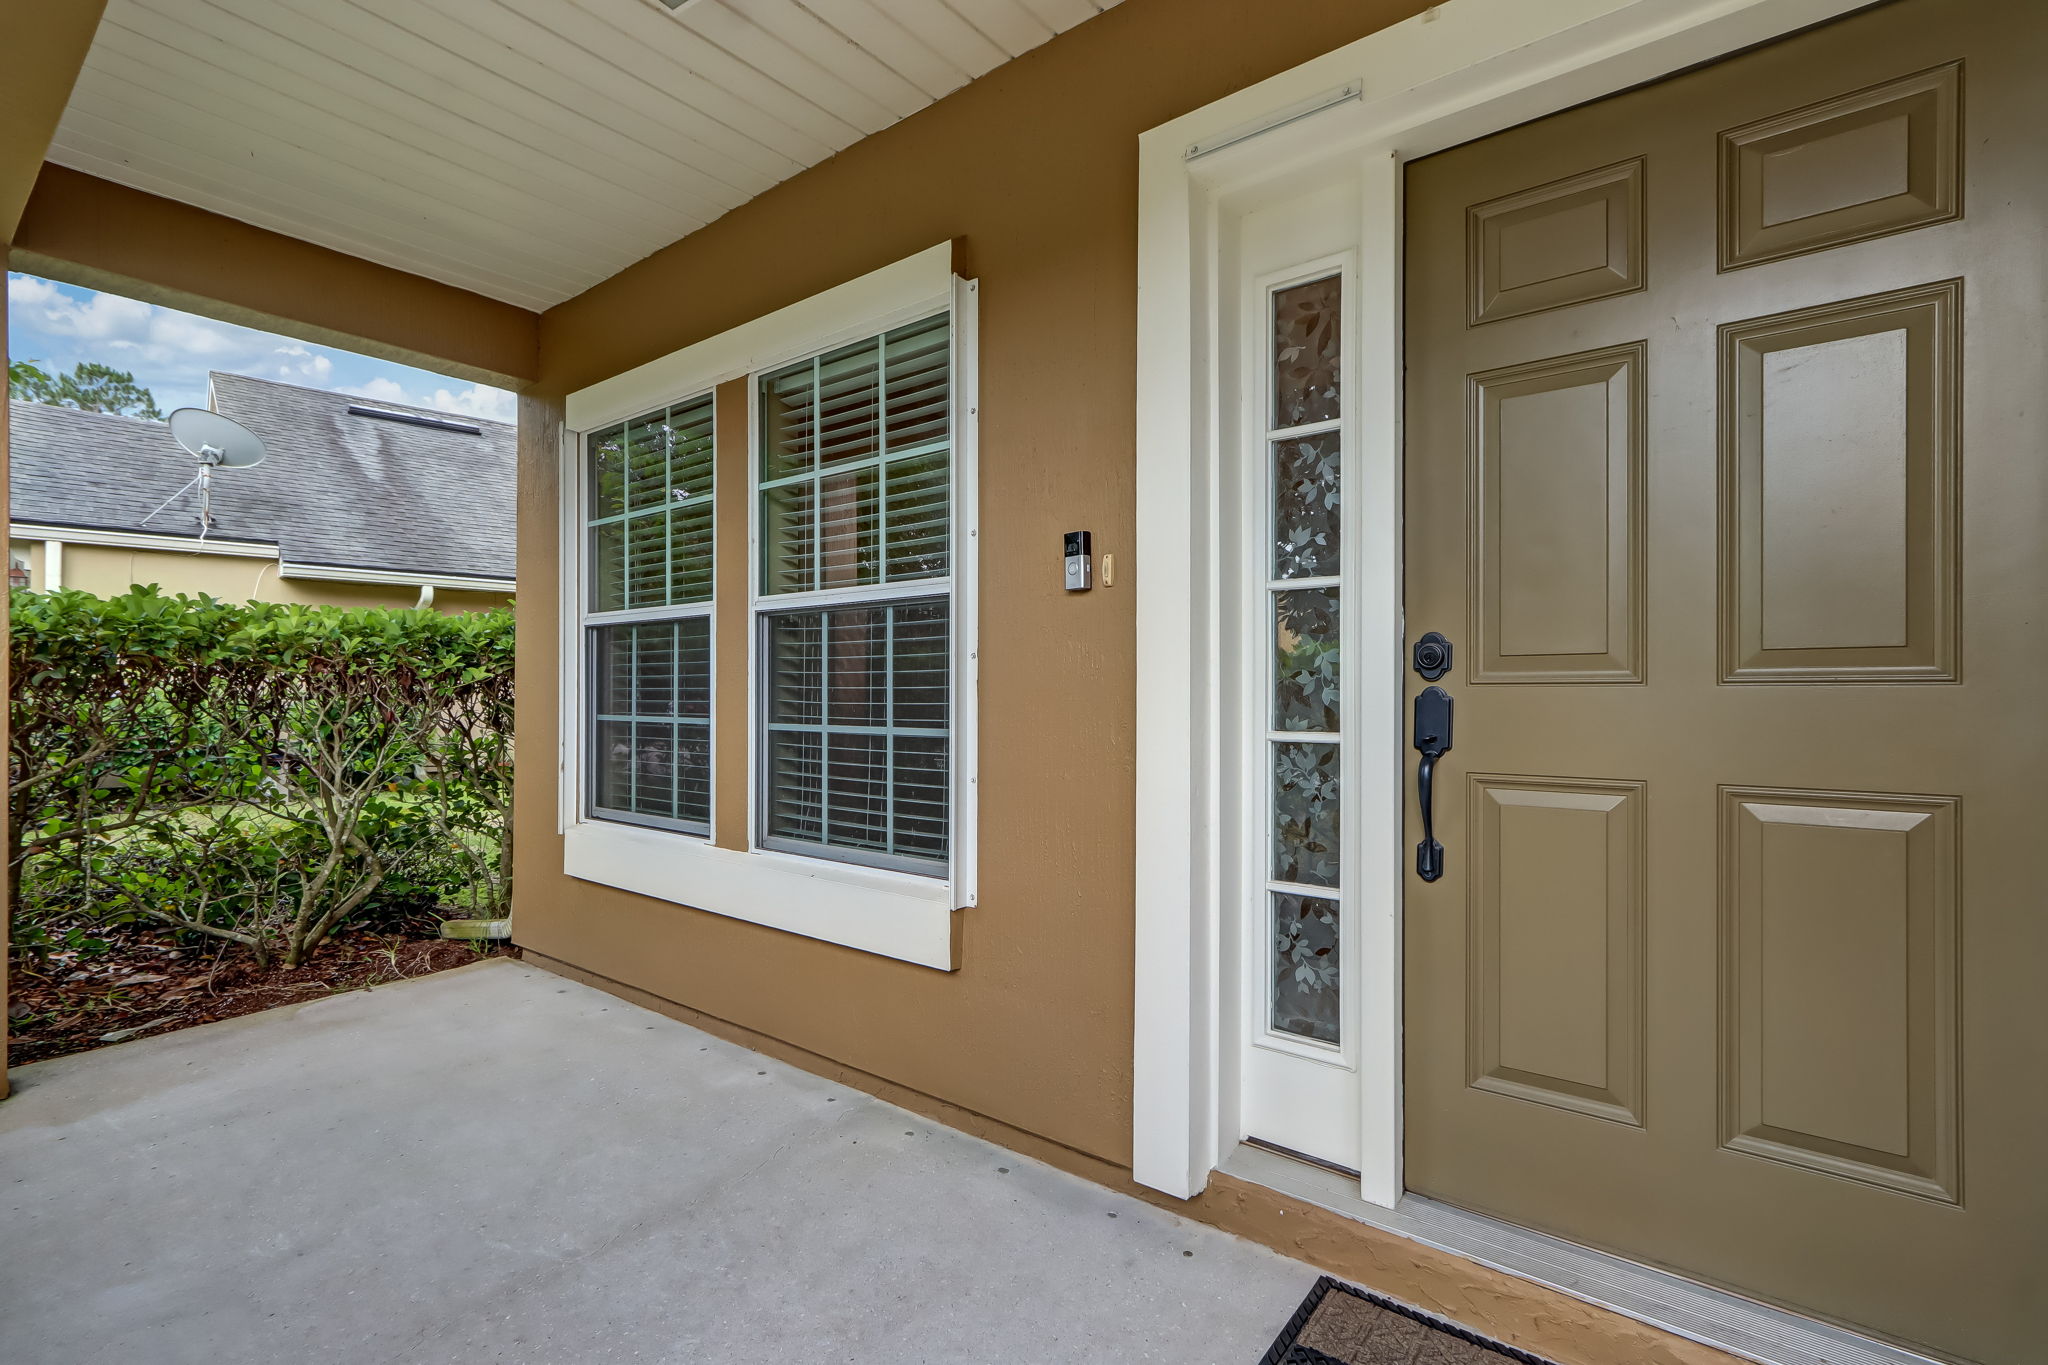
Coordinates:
x,y
519,149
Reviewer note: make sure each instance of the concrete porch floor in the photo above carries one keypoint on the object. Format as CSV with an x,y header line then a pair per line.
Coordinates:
x,y
495,1164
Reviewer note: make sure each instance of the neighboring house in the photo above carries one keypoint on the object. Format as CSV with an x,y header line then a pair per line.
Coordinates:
x,y
357,503
1596,374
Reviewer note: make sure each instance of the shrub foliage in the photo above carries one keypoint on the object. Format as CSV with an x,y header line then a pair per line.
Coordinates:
x,y
256,773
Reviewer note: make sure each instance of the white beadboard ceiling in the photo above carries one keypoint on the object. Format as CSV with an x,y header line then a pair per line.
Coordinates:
x,y
524,149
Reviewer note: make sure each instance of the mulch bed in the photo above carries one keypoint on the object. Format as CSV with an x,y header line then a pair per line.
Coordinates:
x,y
150,982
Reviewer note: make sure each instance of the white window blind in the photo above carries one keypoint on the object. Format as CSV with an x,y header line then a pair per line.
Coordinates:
x,y
855,487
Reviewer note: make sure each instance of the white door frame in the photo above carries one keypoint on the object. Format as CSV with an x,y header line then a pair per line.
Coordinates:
x,y
1456,72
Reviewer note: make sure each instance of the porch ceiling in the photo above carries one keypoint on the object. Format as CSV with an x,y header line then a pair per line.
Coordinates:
x,y
523,149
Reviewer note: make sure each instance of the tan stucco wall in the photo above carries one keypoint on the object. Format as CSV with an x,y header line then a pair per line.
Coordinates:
x,y
1032,171
92,232
106,571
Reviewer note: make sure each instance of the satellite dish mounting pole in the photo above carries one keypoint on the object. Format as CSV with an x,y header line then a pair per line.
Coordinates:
x,y
216,443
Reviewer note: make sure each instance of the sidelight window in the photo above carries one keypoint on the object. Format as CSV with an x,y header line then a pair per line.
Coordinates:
x,y
1303,591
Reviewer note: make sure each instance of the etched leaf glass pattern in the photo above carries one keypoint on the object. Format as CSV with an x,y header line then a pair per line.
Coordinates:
x,y
1305,352
1305,967
1305,659
1305,838
1306,520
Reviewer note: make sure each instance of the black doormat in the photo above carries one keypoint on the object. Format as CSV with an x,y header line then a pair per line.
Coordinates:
x,y
1338,1324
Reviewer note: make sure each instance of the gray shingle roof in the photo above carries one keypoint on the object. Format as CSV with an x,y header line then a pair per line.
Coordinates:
x,y
338,488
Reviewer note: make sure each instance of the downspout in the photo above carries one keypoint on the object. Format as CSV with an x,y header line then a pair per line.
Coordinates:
x,y
426,597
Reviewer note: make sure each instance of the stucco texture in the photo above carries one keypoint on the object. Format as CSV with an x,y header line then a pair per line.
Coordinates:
x,y
1032,173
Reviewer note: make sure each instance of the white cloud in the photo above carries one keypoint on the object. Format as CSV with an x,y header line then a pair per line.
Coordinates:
x,y
478,400
383,390
302,366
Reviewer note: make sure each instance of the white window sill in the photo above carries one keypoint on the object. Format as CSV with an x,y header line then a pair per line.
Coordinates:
x,y
894,914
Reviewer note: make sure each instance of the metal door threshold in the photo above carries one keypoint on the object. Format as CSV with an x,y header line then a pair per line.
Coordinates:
x,y
1712,1317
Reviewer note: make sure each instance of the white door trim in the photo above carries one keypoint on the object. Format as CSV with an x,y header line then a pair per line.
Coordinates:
x,y
1456,72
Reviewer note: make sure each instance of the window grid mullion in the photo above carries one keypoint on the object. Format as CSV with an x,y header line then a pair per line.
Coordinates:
x,y
882,468
842,467
633,726
888,726
817,483
668,520
825,728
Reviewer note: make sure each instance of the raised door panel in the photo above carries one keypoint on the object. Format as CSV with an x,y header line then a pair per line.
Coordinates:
x,y
1839,970
1557,485
1566,242
1554,944
1861,165
1840,463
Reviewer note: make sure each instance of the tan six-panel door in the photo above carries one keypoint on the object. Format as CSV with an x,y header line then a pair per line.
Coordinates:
x,y
1727,423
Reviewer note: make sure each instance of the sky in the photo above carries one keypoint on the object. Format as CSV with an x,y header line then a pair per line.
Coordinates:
x,y
169,352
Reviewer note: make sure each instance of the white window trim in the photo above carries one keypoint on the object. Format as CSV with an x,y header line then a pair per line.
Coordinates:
x,y
894,914
1456,72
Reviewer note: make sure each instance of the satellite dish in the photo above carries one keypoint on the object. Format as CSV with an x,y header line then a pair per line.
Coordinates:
x,y
215,440
217,443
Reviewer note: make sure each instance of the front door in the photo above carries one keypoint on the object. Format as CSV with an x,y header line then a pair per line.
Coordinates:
x,y
1727,481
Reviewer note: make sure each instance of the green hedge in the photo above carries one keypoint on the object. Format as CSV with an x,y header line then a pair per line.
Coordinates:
x,y
255,772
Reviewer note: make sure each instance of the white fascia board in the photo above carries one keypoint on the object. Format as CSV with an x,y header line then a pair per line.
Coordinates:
x,y
873,302
894,914
397,578
141,540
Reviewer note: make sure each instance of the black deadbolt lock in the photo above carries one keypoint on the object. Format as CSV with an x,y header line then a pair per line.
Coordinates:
x,y
1432,656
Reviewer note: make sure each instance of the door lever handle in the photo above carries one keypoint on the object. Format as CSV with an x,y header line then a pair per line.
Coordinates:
x,y
1432,741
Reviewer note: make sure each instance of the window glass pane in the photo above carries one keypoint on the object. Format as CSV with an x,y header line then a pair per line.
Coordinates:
x,y
1306,969
1305,838
690,450
920,671
918,373
1305,659
788,538
608,472
855,464
1306,519
693,775
919,515
647,461
795,787
788,422
858,667
849,404
1305,352
857,718
857,790
608,566
689,553
647,561
650,739
796,691
921,797
849,528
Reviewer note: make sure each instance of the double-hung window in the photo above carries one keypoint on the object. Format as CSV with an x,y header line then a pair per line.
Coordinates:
x,y
830,790
649,570
854,479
